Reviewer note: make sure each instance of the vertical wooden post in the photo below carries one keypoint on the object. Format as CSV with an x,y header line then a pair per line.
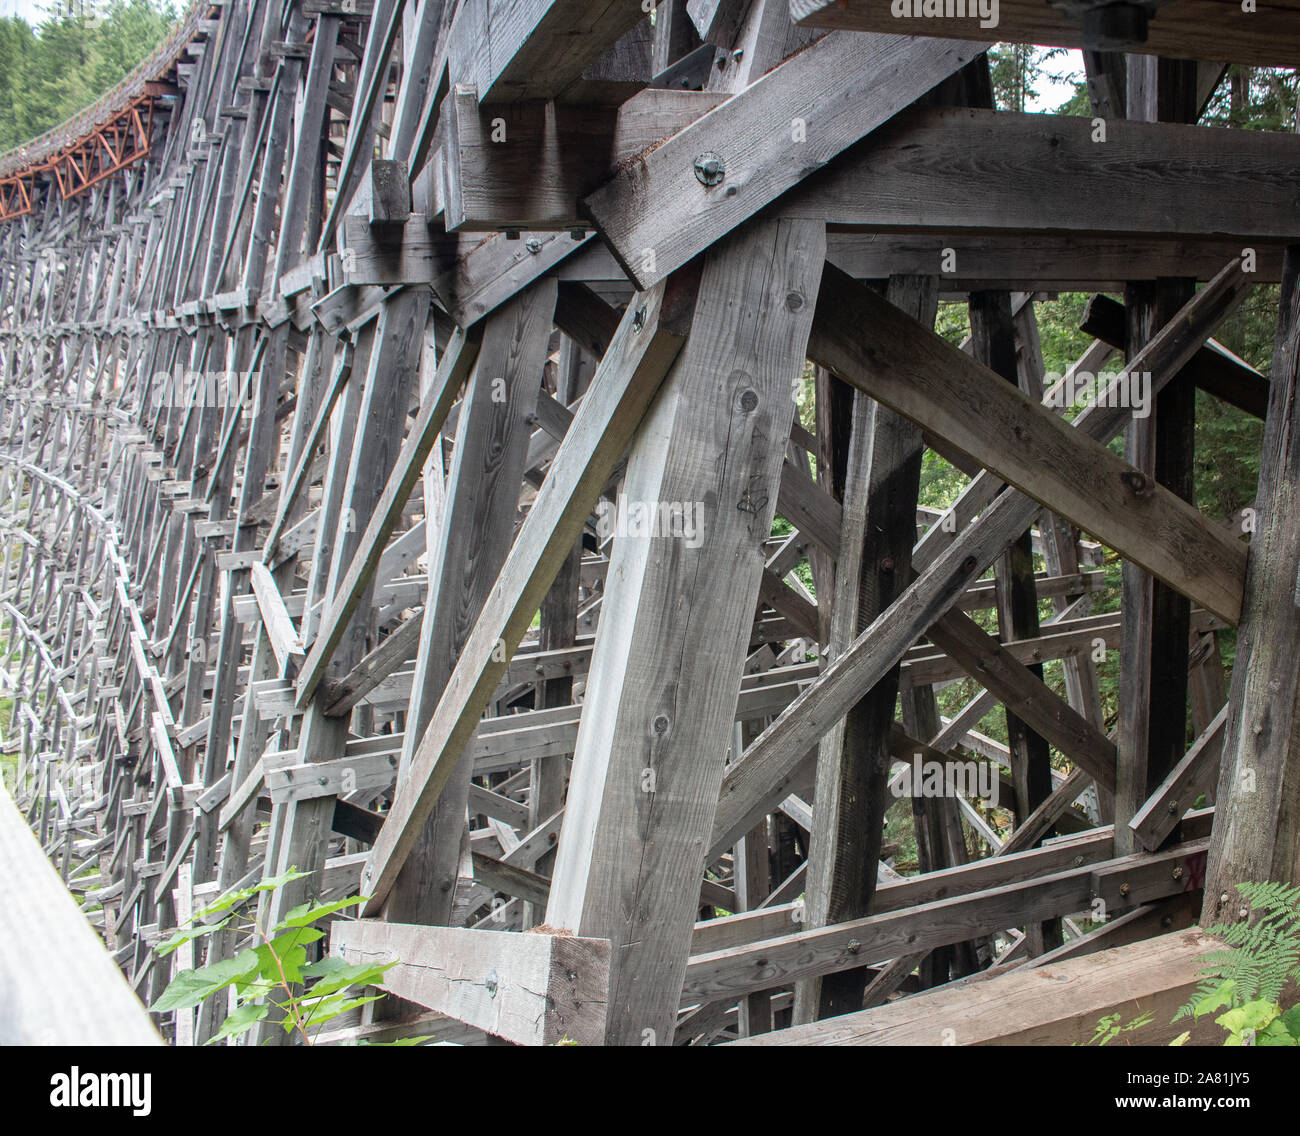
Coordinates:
x,y
671,642
1257,817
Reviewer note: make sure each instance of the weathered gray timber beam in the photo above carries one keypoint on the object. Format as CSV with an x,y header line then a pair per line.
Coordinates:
x,y
1056,1004
533,49
1266,36
1041,261
948,169
466,553
661,210
672,639
1194,775
529,164
916,373
878,938
533,989
948,564
881,482
1256,836
648,340
452,370
1024,693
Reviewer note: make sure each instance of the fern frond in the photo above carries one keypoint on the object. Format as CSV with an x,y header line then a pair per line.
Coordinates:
x,y
1264,950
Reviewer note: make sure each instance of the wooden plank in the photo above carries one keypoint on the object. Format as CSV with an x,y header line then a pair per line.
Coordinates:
x,y
1183,29
473,538
83,998
1056,1004
1013,684
532,49
528,165
942,169
531,989
881,479
283,635
879,938
657,214
1191,777
648,340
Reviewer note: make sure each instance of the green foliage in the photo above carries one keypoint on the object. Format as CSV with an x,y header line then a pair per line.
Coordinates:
x,y
1263,954
275,973
1109,1028
51,73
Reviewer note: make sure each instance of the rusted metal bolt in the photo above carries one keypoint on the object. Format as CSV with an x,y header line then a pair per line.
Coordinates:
x,y
854,946
1123,889
1178,872
710,168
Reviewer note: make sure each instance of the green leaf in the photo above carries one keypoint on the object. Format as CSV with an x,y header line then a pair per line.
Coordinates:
x,y
362,974
241,1021
190,987
305,913
316,1014
184,935
1217,998
232,898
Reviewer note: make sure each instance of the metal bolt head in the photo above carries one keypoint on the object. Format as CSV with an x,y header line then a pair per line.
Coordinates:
x,y
534,245
1123,889
1178,872
854,946
491,982
710,168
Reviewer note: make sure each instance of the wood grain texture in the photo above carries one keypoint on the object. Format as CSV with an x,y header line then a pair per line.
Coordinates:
x,y
656,209
1058,1003
530,989
648,340
1184,29
965,169
671,641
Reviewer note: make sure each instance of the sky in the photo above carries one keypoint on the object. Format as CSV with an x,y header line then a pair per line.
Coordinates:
x,y
30,10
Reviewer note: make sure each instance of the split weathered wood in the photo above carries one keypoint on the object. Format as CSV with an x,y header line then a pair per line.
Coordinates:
x,y
530,989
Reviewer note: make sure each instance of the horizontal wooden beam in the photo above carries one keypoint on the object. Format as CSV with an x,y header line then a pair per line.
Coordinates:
x,y
1055,262
533,49
1268,35
877,938
531,989
1059,1003
964,170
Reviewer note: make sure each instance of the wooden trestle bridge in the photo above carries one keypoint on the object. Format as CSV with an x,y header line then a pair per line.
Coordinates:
x,y
347,336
